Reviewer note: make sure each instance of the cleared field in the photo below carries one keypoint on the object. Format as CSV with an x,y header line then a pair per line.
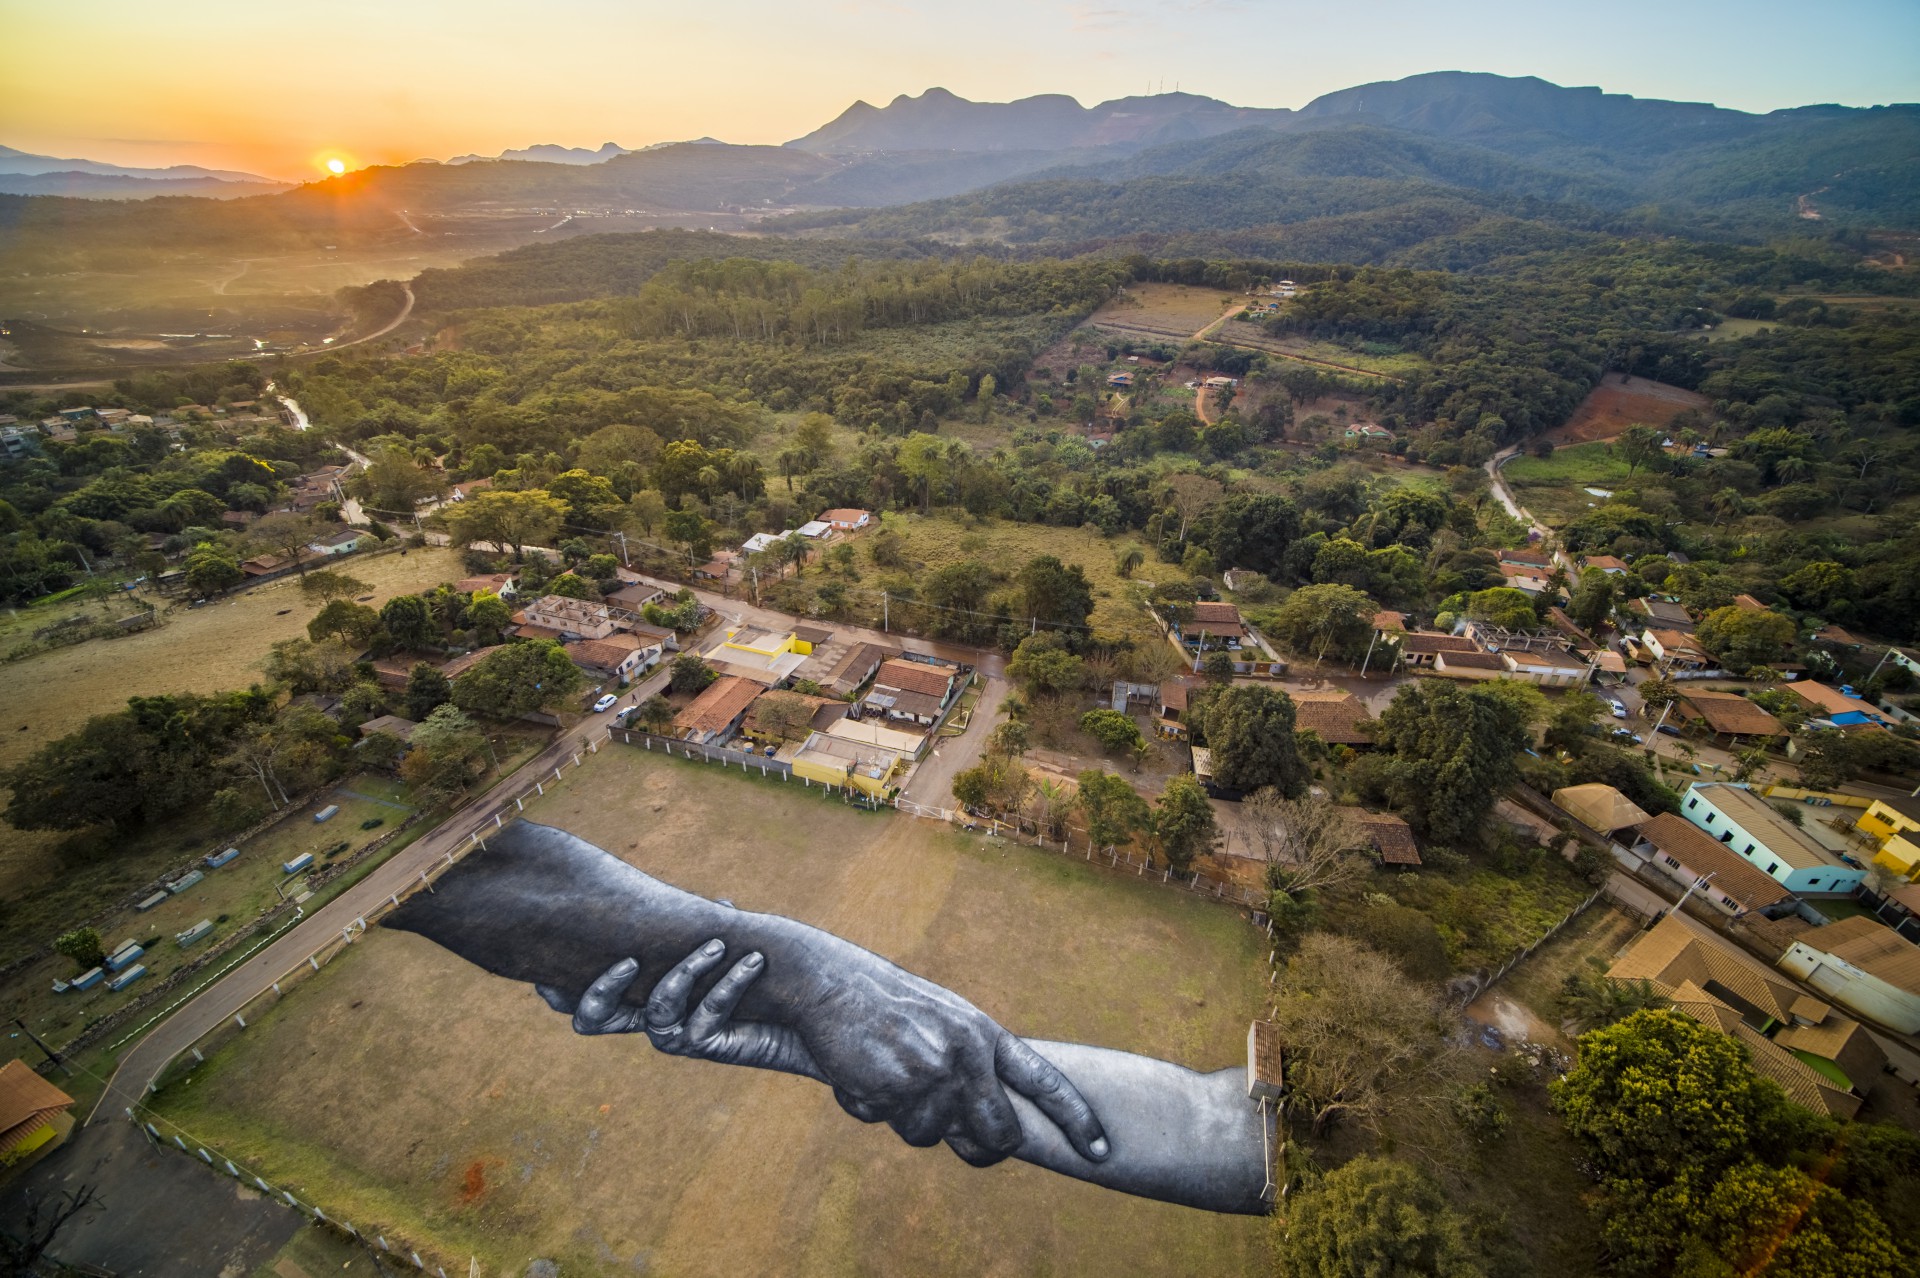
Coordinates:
x,y
199,650
410,1092
1619,402
1554,488
1005,546
1176,311
1328,356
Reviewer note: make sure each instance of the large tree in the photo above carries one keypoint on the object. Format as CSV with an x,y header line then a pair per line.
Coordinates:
x,y
517,680
1743,638
1249,730
1450,752
445,755
1321,619
1113,810
1253,532
1310,842
1184,822
506,518
1054,594
1042,664
1371,1218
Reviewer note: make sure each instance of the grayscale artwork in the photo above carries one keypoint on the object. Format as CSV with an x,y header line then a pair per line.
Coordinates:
x,y
623,953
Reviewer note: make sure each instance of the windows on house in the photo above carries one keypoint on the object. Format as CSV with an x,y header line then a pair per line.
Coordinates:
x,y
1772,866
1711,816
1694,802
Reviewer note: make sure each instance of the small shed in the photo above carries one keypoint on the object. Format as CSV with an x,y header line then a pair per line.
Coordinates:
x,y
1601,807
1266,1062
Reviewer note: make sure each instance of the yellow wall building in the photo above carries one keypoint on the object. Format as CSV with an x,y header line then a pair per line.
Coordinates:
x,y
1896,824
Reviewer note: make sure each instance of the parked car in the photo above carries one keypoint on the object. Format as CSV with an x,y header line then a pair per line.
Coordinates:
x,y
1623,734
1669,729
1619,708
605,703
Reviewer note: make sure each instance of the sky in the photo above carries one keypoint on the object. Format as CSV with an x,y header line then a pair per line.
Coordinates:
x,y
279,87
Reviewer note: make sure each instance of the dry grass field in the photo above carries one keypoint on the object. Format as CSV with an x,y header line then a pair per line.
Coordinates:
x,y
205,649
1174,311
1619,402
408,1091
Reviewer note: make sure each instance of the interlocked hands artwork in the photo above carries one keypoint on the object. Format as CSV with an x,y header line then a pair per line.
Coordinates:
x,y
622,953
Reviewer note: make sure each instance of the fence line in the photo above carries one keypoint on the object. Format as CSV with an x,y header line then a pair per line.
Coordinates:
x,y
1525,952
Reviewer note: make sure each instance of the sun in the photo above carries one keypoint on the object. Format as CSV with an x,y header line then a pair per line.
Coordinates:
x,y
336,166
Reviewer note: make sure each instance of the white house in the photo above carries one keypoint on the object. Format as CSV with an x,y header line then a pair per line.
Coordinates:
x,y
344,542
763,541
1863,965
1748,825
814,529
846,518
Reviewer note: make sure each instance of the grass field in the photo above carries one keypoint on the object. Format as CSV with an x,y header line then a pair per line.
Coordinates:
x,y
1176,311
1328,356
205,649
1553,488
405,1090
1005,546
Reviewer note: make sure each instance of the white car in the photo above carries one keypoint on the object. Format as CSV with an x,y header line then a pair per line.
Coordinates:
x,y
1619,709
605,703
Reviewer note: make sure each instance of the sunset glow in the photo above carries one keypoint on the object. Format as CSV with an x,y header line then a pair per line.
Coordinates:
x,y
336,166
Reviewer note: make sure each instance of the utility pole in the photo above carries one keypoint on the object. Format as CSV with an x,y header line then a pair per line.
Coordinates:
x,y
1369,659
886,622
51,1054
1681,903
626,560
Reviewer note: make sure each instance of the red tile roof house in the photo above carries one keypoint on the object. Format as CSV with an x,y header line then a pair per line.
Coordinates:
x,y
1422,646
714,715
1213,625
846,519
913,691
618,656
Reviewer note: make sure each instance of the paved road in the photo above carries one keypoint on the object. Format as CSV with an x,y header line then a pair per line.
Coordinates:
x,y
143,1063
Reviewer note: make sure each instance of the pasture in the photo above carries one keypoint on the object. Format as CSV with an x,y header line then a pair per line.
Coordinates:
x,y
1554,488
1619,402
1176,312
409,1092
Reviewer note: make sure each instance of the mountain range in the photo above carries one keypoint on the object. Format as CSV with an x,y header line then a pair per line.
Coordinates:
x,y
1442,168
23,173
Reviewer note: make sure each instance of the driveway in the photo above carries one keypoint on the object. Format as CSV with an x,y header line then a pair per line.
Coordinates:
x,y
932,780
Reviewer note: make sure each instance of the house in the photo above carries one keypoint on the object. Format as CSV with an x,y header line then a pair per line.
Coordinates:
x,y
570,619
1836,706
1749,825
1612,565
858,665
1747,603
1337,718
33,1112
913,691
806,638
1823,1060
1526,557
391,725
1727,714
618,656
836,761
1367,432
715,714
344,542
715,569
497,583
846,519
1664,613
461,492
1171,722
763,541
1864,966
778,716
1833,636
1390,837
871,732
1548,667
1120,379
1676,649
1601,808
264,565
79,415
1423,647
237,518
767,657
17,442
1895,825
1685,854
1389,622
1529,580
467,661
1470,664
1213,625
1219,383
634,596
814,529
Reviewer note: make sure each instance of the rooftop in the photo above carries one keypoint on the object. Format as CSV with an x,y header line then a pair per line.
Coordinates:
x,y
1828,701
1469,659
914,676
391,724
1755,815
724,700
1336,718
1391,837
842,515
1601,807
1432,641
1703,854
1731,713
27,1102
1871,945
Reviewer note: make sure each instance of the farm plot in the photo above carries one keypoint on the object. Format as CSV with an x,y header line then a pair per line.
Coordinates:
x,y
1619,402
1173,311
409,1091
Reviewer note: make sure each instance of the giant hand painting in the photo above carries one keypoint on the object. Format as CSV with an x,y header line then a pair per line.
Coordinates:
x,y
621,952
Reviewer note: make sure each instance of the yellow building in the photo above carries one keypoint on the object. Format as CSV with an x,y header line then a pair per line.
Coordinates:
x,y
833,761
1896,824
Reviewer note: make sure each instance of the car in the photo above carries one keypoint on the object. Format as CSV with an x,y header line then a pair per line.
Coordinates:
x,y
1623,734
605,703
1619,709
1669,729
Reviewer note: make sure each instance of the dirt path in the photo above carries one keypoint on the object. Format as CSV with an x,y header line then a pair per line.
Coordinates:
x,y
1225,315
1200,405
246,264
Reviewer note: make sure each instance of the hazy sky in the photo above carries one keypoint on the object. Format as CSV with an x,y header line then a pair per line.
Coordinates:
x,y
279,86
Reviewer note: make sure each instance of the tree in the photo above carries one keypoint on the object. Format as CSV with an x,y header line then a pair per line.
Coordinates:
x,y
1638,444
408,620
1743,638
1819,585
1128,558
285,534
83,946
1596,1001
1502,606
1592,601
589,499
212,568
1217,667
1253,532
1055,594
1371,1218
690,674
1249,729
445,755
783,714
396,483
305,666
324,585
1354,1025
693,531
1323,618
351,623
488,614
45,1218
427,690
1113,810
1659,692
655,714
1116,731
1452,752
1783,1223
1183,821
515,681
505,518
1310,843
1042,664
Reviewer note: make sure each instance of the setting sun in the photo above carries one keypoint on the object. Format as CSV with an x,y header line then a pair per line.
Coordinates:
x,y
336,166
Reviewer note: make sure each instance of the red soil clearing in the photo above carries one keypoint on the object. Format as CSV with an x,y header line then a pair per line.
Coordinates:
x,y
1618,402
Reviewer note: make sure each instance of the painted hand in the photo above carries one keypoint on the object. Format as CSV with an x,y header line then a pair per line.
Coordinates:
x,y
894,1048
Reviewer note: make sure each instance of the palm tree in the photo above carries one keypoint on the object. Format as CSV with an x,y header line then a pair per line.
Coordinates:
x,y
1725,504
1050,804
1792,469
1129,560
792,462
708,477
